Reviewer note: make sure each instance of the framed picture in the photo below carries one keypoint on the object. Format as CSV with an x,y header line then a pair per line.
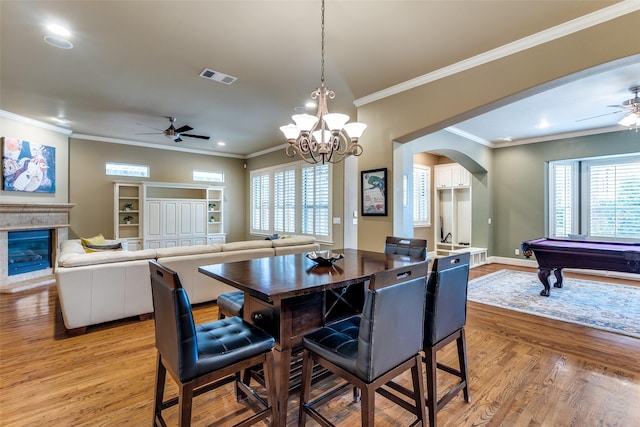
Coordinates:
x,y
28,166
373,187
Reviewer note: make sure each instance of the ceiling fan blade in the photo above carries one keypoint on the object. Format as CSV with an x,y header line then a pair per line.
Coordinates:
x,y
593,117
195,136
184,128
177,139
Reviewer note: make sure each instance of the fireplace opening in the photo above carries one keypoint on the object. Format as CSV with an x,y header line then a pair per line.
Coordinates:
x,y
29,250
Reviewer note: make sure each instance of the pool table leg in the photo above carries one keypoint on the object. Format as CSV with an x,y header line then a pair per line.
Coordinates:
x,y
558,273
543,275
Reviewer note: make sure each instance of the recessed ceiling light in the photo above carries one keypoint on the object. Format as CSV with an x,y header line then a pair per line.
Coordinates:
x,y
544,123
58,42
59,30
221,143
506,138
310,104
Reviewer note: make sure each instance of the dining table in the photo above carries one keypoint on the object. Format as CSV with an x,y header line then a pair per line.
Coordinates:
x,y
292,295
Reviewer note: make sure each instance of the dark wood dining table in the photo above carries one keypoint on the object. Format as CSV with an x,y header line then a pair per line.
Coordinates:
x,y
290,296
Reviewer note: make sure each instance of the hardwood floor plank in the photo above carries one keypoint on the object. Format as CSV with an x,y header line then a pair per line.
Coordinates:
x,y
524,371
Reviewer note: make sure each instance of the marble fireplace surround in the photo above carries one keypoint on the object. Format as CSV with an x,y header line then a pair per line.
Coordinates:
x,y
31,216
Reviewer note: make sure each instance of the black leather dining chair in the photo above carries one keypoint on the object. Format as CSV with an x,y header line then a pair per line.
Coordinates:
x,y
415,248
230,304
204,357
369,350
444,321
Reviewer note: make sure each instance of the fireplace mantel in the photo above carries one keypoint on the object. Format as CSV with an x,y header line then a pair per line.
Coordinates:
x,y
31,216
22,216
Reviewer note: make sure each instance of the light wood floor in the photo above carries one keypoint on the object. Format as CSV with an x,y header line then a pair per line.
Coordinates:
x,y
525,371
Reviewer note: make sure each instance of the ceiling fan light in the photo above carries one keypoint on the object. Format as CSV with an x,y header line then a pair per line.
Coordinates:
x,y
630,120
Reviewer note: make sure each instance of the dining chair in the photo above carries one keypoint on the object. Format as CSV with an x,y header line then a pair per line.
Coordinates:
x,y
230,304
415,248
444,321
204,357
369,350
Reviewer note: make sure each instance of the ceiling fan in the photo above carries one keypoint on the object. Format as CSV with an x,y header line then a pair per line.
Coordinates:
x,y
173,133
632,105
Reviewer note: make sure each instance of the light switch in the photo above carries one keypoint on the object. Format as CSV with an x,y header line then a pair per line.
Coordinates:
x,y
336,220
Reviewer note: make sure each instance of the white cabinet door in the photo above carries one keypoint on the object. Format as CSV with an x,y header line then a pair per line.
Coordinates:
x,y
170,215
442,176
153,220
460,177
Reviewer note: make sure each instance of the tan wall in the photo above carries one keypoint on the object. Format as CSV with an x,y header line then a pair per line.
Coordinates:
x,y
16,128
428,159
433,106
92,190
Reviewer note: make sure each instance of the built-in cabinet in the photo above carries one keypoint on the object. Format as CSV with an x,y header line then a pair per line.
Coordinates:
x,y
169,215
453,212
127,219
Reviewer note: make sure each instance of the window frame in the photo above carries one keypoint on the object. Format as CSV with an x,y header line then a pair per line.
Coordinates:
x,y
271,172
426,170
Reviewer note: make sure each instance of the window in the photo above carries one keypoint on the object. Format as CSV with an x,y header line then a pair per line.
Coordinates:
x,y
208,176
421,195
292,199
125,169
596,197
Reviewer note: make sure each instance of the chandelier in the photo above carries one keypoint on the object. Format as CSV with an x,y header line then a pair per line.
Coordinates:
x,y
325,137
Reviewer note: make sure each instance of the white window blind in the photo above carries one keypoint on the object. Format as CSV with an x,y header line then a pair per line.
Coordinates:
x,y
614,199
260,202
315,200
284,200
292,199
561,203
421,194
596,197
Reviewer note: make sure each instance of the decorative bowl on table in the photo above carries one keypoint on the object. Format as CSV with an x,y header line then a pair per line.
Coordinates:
x,y
324,257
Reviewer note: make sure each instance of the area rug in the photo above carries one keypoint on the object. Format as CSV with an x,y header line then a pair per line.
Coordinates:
x,y
607,306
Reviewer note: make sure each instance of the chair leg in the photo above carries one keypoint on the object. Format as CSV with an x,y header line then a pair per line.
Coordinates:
x,y
161,375
367,406
185,403
269,383
305,387
464,369
418,390
432,395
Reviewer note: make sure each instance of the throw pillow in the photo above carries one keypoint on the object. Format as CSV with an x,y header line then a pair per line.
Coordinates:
x,y
102,248
95,240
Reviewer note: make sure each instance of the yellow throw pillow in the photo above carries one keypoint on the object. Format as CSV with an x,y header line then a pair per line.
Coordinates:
x,y
95,240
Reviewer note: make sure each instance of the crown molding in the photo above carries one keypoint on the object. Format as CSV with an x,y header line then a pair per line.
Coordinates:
x,y
608,13
36,123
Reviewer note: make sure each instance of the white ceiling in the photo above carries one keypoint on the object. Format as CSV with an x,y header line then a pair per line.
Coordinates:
x,y
135,62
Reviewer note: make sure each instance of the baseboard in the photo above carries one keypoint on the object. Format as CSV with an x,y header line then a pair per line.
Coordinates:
x,y
534,264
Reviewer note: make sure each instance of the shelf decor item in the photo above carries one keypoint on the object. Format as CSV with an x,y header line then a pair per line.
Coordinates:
x,y
373,189
324,257
127,219
127,207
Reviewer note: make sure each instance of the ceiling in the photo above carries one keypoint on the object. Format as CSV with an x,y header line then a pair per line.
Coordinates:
x,y
135,62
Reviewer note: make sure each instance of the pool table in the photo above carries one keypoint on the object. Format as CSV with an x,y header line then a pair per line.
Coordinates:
x,y
555,254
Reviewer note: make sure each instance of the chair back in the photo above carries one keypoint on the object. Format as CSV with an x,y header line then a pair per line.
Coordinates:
x,y
415,248
174,326
446,307
392,320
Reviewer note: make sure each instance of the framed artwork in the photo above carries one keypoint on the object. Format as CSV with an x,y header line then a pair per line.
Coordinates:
x,y
373,187
28,166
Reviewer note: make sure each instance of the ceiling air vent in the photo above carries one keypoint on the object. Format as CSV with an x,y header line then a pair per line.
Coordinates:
x,y
217,76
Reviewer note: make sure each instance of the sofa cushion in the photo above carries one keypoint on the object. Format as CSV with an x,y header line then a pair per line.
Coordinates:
x,y
293,241
95,240
244,245
187,250
72,260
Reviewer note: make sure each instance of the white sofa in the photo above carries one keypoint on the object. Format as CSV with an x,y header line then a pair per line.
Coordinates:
x,y
99,287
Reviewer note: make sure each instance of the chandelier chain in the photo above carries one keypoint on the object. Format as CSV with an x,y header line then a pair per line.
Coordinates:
x,y
322,44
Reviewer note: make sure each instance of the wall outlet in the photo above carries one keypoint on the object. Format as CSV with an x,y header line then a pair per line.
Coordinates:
x,y
517,251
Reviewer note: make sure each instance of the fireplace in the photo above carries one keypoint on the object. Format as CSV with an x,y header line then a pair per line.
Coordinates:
x,y
28,250
30,235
